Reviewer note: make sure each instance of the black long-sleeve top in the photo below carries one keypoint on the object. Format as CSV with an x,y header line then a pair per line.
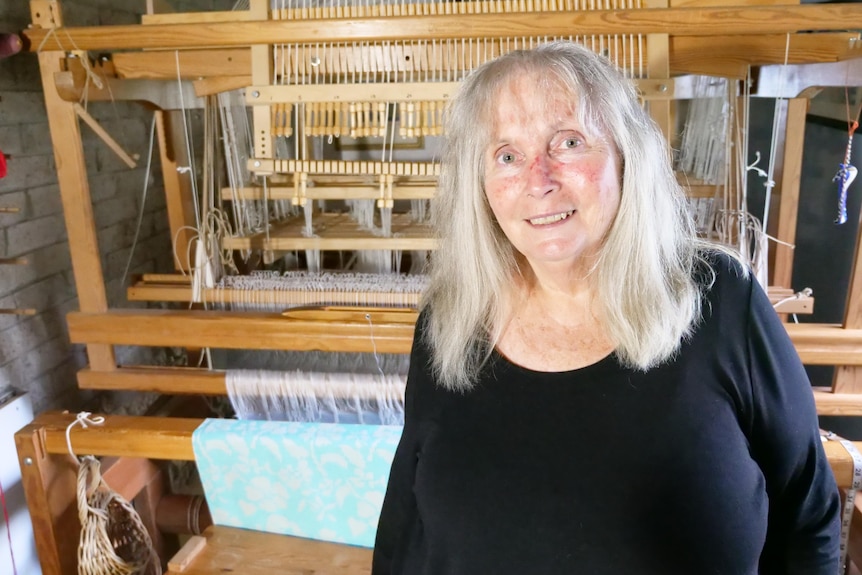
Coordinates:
x,y
708,464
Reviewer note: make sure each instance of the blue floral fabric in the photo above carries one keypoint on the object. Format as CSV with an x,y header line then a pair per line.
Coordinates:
x,y
318,480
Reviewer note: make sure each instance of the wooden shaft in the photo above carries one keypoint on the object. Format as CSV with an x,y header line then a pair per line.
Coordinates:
x,y
817,344
236,330
698,21
170,438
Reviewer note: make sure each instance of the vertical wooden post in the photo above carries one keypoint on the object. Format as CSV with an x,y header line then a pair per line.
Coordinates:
x,y
261,75
178,186
50,485
74,187
658,66
788,191
848,379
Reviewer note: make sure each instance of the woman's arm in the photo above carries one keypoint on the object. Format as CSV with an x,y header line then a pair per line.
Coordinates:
x,y
785,441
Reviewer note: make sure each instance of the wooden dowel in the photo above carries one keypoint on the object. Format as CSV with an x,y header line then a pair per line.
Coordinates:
x,y
105,136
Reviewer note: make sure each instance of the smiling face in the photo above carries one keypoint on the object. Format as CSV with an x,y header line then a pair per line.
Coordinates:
x,y
552,183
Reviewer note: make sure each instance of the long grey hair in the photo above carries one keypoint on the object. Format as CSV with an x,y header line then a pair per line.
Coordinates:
x,y
644,275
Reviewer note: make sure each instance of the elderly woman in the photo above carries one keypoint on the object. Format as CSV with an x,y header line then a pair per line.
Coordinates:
x,y
593,390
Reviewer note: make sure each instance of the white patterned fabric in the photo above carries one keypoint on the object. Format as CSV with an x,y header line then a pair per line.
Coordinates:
x,y
317,480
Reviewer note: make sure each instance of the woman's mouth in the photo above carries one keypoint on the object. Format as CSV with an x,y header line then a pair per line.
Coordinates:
x,y
545,220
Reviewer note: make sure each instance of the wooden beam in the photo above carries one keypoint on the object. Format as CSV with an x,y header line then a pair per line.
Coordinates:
x,y
170,438
236,330
817,344
730,56
849,379
182,381
826,344
788,192
193,64
74,187
49,484
228,549
178,185
836,404
701,21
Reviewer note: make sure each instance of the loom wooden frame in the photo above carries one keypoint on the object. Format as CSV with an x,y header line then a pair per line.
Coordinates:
x,y
683,38
48,474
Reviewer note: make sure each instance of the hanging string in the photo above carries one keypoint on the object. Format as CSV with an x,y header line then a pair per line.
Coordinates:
x,y
143,200
846,171
8,528
84,420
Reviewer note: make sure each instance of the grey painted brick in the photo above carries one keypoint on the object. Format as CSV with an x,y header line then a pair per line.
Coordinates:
x,y
40,264
102,187
112,211
27,236
21,107
28,172
44,201
36,138
13,200
10,139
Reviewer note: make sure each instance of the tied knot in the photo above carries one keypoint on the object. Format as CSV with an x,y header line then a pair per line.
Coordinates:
x,y
85,420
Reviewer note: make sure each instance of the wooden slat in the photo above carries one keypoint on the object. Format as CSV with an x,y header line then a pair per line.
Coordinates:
x,y
337,232
198,17
817,344
186,381
788,191
142,291
178,186
730,56
826,344
838,404
332,192
720,21
170,438
193,64
169,380
229,549
120,436
717,55
235,330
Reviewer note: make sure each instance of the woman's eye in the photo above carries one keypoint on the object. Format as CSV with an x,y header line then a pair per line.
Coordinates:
x,y
507,157
571,143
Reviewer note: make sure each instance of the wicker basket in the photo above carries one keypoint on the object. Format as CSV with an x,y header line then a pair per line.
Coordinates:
x,y
114,541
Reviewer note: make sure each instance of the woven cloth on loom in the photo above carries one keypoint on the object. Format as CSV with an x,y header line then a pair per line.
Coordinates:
x,y
317,480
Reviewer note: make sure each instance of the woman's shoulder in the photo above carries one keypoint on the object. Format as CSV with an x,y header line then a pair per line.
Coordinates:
x,y
718,268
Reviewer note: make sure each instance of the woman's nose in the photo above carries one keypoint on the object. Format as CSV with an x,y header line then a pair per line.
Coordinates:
x,y
541,176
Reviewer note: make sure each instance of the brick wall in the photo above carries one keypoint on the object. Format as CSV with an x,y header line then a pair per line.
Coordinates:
x,y
35,353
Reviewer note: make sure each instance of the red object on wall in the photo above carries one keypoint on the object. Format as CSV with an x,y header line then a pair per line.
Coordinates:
x,y
2,165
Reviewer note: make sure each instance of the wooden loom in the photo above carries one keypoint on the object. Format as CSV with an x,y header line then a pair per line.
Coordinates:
x,y
222,51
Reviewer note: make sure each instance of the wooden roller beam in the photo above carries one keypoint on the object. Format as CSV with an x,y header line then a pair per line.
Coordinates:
x,y
170,438
826,344
236,330
837,404
183,381
198,381
817,344
696,21
120,436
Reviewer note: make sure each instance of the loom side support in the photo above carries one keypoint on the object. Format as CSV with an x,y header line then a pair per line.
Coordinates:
x,y
849,378
74,187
